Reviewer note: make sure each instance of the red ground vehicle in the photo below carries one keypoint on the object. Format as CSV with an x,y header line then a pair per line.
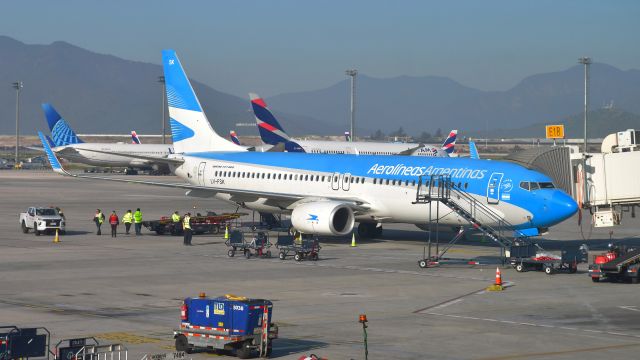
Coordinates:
x,y
617,264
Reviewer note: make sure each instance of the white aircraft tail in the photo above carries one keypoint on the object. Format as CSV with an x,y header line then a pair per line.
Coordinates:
x,y
190,128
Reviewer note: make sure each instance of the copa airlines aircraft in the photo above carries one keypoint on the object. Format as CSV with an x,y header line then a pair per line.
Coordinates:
x,y
272,133
326,194
69,146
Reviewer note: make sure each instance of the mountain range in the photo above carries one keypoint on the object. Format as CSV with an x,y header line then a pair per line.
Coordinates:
x,y
100,93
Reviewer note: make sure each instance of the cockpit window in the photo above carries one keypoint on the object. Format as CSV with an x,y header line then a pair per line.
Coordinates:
x,y
529,186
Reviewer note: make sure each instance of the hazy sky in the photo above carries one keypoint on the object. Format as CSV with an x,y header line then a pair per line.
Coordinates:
x,y
291,45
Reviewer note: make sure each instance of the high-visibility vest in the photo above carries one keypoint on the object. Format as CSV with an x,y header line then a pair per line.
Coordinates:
x,y
100,217
185,222
175,218
137,217
127,218
113,219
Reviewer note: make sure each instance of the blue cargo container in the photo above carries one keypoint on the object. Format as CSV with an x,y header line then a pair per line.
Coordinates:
x,y
226,323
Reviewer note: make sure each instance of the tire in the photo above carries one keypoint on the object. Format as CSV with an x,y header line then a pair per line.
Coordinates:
x,y
314,256
422,264
548,270
573,268
182,344
298,257
215,230
35,229
595,279
231,253
24,227
282,255
244,353
519,268
247,254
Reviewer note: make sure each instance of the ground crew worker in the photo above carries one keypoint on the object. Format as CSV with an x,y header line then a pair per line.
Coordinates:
x,y
186,229
137,220
127,219
61,213
114,221
98,218
175,218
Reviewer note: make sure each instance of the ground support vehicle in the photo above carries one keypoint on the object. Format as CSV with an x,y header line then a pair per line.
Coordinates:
x,y
42,221
200,224
258,246
527,257
226,323
618,264
16,343
301,248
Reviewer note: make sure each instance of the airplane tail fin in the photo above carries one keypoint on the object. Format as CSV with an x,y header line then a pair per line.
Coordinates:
x,y
234,137
270,130
473,150
61,132
190,128
449,145
50,141
134,138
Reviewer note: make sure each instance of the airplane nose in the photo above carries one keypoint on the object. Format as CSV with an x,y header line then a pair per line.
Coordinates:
x,y
562,206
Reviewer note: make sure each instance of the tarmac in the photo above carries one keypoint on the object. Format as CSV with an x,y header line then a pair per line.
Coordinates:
x,y
129,289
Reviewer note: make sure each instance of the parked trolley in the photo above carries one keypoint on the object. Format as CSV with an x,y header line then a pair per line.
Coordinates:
x,y
227,323
302,247
200,224
527,257
258,245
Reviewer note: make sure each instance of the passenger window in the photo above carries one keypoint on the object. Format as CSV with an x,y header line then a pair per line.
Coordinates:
x,y
413,183
387,182
466,185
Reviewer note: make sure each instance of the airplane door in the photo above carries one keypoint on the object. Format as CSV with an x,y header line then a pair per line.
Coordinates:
x,y
335,181
493,188
201,173
346,182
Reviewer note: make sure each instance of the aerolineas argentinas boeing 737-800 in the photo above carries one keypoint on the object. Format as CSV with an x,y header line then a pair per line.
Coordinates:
x,y
326,194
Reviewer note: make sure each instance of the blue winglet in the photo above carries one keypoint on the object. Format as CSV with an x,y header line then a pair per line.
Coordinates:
x,y
53,160
473,150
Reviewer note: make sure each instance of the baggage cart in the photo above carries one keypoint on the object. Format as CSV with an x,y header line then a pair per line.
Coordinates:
x,y
527,257
258,245
305,247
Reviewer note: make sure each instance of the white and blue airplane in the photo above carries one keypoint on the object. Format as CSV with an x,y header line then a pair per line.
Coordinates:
x,y
327,194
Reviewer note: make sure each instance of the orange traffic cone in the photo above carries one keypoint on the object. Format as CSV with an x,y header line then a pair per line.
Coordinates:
x,y
497,285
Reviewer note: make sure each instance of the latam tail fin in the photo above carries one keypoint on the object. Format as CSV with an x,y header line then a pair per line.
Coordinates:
x,y
134,138
270,130
473,150
190,128
61,132
234,137
449,145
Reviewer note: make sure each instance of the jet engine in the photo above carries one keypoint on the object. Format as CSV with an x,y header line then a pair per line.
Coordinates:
x,y
323,218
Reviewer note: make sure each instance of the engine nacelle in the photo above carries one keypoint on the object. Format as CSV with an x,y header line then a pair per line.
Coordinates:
x,y
323,218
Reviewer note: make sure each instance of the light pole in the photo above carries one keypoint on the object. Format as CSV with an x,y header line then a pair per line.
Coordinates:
x,y
586,61
164,96
353,73
18,86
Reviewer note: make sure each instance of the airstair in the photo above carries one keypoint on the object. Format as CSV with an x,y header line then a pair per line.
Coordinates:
x,y
442,190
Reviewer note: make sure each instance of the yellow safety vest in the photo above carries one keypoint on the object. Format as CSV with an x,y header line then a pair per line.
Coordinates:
x,y
137,217
175,218
127,218
185,222
100,217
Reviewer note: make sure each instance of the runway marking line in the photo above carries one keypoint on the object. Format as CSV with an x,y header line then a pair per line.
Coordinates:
x,y
530,325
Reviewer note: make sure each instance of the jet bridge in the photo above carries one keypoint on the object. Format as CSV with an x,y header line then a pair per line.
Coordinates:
x,y
605,183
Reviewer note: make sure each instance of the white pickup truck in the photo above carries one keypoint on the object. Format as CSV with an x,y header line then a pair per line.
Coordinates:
x,y
42,220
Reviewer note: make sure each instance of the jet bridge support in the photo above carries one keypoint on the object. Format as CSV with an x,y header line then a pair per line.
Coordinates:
x,y
439,189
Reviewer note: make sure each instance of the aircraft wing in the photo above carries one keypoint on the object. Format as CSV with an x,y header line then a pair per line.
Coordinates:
x,y
142,157
197,190
412,150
